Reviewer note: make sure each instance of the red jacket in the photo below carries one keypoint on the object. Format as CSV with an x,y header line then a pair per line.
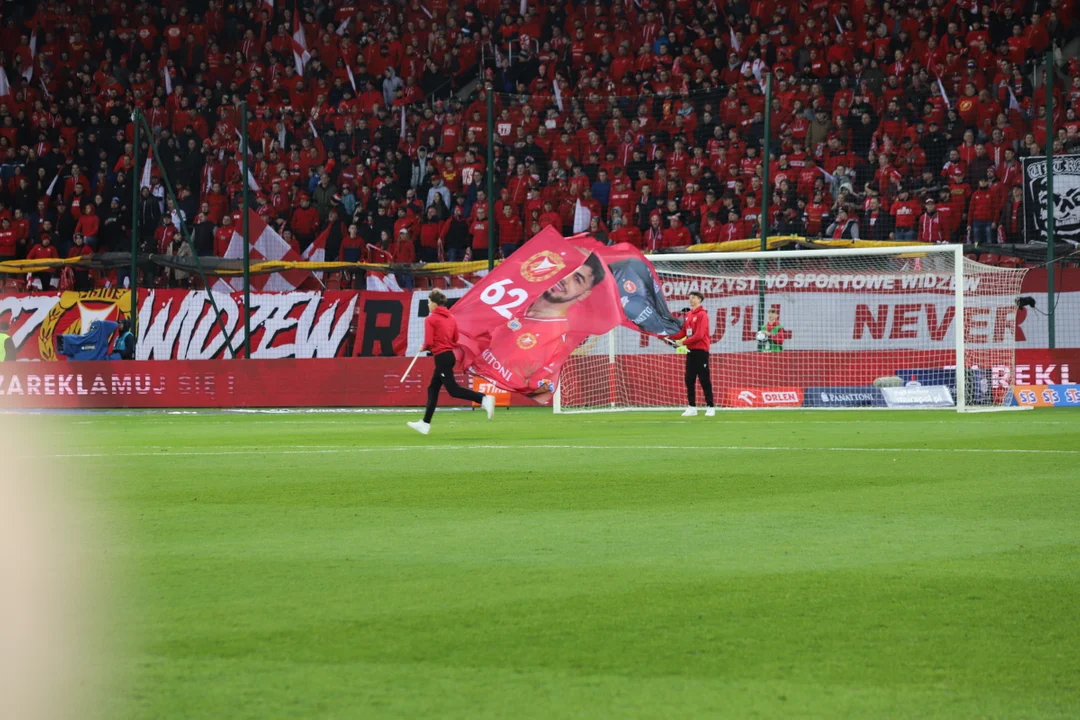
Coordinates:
x,y
696,329
440,331
981,207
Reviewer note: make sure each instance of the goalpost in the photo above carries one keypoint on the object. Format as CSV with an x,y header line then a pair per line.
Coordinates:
x,y
906,327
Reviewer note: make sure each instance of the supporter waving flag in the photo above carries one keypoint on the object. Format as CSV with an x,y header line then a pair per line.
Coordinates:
x,y
522,322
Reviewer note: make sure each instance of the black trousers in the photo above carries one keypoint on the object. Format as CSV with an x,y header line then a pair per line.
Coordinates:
x,y
697,368
444,377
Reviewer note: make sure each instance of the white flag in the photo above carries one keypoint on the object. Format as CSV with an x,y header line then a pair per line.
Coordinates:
x,y
300,51
558,94
341,28
838,25
168,82
402,135
944,95
281,135
145,181
28,73
734,40
5,87
52,185
1014,104
314,132
252,183
352,80
524,7
582,217
426,12
270,3
266,244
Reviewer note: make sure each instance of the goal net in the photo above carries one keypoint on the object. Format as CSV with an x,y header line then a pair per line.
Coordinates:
x,y
877,327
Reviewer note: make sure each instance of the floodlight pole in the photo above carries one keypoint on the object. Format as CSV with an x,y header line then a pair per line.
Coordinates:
x,y
247,242
1049,153
765,161
133,281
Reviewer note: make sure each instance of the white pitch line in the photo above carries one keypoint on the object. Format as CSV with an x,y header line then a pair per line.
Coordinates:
x,y
326,450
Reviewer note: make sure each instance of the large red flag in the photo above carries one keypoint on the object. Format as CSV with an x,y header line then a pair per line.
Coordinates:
x,y
519,325
640,292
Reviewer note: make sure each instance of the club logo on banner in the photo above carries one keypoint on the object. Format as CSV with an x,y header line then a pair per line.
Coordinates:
x,y
74,311
541,266
1066,201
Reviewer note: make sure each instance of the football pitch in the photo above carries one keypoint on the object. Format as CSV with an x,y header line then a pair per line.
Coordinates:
x,y
757,564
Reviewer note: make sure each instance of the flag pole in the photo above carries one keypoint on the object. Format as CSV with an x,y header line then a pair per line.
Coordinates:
x,y
247,240
491,176
133,282
766,159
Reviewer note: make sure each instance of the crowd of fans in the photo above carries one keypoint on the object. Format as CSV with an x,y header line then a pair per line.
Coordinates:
x,y
640,121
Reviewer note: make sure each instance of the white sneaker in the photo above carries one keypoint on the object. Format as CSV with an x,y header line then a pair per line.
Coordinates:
x,y
420,426
489,405
690,412
710,412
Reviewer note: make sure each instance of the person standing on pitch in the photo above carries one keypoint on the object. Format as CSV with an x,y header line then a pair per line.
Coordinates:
x,y
440,339
696,338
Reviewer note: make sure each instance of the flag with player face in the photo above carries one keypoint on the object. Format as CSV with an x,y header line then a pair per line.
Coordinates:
x,y
640,294
521,323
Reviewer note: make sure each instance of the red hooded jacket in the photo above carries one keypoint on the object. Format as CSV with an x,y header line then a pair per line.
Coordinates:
x,y
696,329
440,331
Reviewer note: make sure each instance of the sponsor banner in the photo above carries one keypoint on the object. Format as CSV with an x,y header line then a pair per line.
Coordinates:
x,y
843,397
1046,395
1066,201
331,382
480,385
375,381
181,325
918,396
764,397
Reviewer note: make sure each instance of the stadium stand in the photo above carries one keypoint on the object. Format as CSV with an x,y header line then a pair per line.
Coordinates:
x,y
898,121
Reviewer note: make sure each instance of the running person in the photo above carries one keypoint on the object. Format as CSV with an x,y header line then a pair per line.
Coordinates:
x,y
440,338
695,330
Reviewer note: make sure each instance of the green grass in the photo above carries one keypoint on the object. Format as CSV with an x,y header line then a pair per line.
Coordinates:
x,y
785,564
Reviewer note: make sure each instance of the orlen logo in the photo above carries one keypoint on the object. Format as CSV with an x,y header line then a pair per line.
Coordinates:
x,y
757,397
781,397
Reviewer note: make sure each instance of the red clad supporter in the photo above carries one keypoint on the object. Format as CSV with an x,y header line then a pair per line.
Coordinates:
x,y
905,212
623,232
478,231
676,235
509,230
223,236
930,229
8,245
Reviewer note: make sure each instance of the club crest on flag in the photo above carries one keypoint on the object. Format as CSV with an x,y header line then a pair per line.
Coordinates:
x,y
75,311
541,266
526,341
